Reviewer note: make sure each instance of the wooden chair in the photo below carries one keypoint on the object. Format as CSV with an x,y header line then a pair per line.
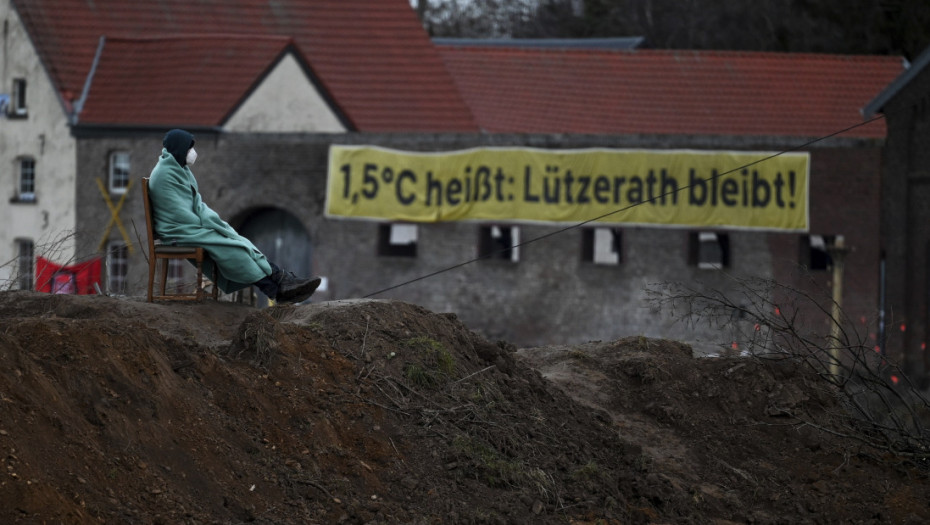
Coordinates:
x,y
164,253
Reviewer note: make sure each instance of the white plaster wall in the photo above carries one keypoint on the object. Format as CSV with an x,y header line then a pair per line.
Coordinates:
x,y
45,136
286,101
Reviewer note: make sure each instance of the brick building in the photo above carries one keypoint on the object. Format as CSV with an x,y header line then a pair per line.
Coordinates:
x,y
905,214
267,100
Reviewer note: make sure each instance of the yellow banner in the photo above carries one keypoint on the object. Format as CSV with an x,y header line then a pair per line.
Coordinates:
x,y
734,189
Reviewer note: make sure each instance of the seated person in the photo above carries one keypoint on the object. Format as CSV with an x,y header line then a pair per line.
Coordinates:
x,y
181,218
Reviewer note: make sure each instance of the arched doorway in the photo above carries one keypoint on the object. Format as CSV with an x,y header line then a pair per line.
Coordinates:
x,y
282,238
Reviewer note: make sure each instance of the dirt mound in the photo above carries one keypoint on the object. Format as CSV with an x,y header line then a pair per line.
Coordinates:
x,y
115,410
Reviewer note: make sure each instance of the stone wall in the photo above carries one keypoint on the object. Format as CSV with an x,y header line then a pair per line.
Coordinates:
x,y
550,296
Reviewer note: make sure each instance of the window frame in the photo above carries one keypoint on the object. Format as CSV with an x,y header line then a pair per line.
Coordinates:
x,y
398,239
814,252
700,241
18,106
26,186
117,261
594,238
25,263
112,166
493,242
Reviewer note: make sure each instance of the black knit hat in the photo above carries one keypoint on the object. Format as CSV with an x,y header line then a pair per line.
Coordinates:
x,y
177,142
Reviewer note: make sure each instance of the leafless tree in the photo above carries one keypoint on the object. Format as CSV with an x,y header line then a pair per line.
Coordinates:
x,y
819,26
881,406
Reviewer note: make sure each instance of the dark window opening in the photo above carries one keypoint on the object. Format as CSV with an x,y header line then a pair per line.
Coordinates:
x,y
397,240
26,266
814,253
602,245
709,250
499,242
117,268
18,100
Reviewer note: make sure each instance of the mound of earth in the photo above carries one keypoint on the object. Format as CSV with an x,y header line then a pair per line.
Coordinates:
x,y
113,410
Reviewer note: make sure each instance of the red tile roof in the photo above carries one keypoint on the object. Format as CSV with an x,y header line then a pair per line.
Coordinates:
x,y
158,81
668,92
371,56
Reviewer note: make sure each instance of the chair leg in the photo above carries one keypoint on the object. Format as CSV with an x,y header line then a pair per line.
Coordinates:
x,y
200,293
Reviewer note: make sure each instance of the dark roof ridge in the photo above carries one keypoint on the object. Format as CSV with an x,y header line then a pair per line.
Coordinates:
x,y
764,54
695,53
752,53
199,36
625,43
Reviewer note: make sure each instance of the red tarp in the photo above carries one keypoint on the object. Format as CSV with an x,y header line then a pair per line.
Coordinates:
x,y
74,279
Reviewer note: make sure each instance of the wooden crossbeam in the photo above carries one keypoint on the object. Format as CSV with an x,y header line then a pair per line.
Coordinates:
x,y
114,216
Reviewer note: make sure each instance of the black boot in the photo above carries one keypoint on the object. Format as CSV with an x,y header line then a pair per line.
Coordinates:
x,y
268,286
292,289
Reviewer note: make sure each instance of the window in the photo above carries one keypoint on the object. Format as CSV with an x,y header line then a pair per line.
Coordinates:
x,y
601,245
25,261
18,100
399,240
709,250
813,252
119,171
117,267
499,242
176,274
27,179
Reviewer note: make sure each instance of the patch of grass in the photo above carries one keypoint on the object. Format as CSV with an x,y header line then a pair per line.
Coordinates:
x,y
643,463
498,471
445,361
588,471
417,376
422,342
578,354
480,394
590,475
431,363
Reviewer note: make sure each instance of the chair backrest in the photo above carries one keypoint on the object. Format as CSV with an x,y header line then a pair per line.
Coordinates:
x,y
149,227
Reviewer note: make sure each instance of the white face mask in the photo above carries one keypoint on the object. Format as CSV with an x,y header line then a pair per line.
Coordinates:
x,y
191,156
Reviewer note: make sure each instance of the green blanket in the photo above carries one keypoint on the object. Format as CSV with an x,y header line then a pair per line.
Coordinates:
x,y
180,217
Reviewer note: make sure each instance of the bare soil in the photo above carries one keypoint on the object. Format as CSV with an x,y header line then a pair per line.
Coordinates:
x,y
113,410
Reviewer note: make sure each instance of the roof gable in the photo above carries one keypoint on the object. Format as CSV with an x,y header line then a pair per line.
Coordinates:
x,y
285,101
877,105
668,92
372,57
173,80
